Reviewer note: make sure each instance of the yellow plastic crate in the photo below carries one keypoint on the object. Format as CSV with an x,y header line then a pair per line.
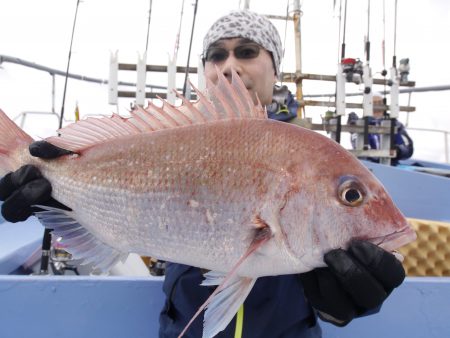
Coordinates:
x,y
429,255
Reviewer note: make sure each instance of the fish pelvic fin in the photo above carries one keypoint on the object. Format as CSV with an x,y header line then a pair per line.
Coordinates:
x,y
78,241
226,299
223,100
224,306
11,138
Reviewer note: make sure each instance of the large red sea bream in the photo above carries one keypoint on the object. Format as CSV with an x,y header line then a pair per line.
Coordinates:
x,y
216,185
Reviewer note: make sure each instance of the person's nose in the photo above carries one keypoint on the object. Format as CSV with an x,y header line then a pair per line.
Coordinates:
x,y
231,63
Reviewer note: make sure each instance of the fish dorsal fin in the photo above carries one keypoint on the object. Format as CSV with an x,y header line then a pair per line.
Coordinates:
x,y
222,101
86,133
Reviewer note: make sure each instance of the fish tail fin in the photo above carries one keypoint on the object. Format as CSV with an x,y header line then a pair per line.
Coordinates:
x,y
11,138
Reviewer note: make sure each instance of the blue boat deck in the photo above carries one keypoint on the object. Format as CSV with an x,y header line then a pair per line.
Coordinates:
x,y
119,307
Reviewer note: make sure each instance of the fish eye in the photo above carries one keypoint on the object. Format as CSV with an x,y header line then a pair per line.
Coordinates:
x,y
351,193
351,196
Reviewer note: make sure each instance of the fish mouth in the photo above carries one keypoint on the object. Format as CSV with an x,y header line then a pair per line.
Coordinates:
x,y
396,239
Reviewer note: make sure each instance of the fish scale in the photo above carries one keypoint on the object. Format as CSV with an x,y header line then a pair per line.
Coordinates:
x,y
220,202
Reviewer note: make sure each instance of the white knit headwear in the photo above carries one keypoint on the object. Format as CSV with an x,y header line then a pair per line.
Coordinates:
x,y
248,25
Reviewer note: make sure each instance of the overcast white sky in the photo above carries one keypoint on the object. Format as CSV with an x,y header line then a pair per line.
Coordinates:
x,y
40,31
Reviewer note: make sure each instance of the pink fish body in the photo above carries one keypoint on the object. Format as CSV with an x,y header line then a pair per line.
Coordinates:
x,y
197,185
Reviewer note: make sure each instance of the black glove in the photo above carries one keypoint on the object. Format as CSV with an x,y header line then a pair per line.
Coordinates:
x,y
355,282
26,187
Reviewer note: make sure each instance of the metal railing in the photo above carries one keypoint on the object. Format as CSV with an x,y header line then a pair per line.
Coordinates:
x,y
55,72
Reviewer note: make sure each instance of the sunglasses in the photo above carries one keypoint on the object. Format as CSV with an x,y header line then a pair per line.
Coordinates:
x,y
246,51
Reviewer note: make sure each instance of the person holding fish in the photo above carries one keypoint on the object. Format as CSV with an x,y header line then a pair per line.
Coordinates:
x,y
352,282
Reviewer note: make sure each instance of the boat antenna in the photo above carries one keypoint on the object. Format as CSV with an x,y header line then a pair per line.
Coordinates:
x,y
148,26
68,66
186,75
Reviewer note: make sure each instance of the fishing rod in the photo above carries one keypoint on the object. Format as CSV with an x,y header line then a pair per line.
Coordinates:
x,y
47,238
148,26
344,31
186,75
383,55
367,79
284,39
383,44
68,65
340,82
394,57
394,109
177,40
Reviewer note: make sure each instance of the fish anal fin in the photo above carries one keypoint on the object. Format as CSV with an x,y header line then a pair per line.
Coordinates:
x,y
232,286
77,240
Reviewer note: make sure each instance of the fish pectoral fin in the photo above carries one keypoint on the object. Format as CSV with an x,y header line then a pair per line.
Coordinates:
x,y
77,240
231,292
225,304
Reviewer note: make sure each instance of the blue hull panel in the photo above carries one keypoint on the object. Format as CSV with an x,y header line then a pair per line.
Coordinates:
x,y
418,195
74,307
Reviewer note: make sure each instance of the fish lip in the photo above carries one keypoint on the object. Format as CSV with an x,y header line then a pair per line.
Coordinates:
x,y
395,239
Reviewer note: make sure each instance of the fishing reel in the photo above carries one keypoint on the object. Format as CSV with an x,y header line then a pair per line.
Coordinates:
x,y
157,267
353,70
60,260
403,69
